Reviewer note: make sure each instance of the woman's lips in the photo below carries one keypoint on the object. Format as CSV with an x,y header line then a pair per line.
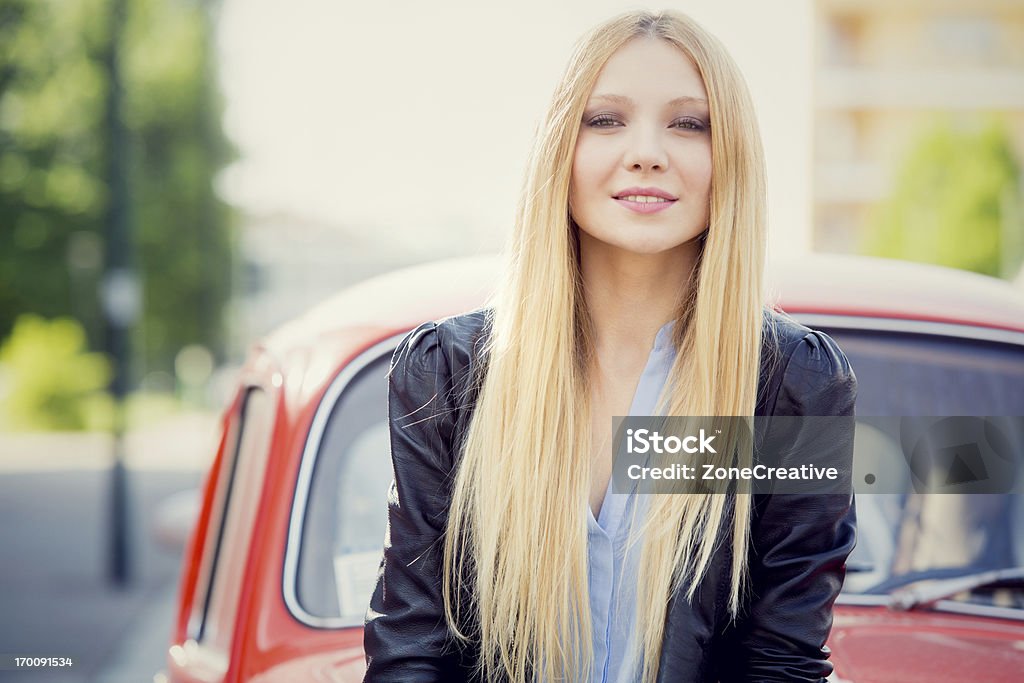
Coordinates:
x,y
651,205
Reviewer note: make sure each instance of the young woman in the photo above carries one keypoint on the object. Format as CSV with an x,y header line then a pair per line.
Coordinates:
x,y
634,288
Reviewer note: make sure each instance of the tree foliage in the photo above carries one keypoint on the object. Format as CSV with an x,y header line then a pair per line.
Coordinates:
x,y
956,202
53,155
52,378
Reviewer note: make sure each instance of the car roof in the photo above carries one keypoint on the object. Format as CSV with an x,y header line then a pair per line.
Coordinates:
x,y
862,286
828,284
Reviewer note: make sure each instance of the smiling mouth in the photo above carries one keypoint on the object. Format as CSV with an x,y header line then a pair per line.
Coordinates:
x,y
644,203
643,198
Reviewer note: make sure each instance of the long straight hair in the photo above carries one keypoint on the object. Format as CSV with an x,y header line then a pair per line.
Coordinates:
x,y
515,551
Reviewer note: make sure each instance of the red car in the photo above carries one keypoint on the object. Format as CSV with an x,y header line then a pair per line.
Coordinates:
x,y
280,565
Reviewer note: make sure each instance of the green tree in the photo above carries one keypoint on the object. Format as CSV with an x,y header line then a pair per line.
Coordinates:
x,y
956,202
53,192
185,234
50,379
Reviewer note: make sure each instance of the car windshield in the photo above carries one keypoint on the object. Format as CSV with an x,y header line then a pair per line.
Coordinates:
x,y
902,536
905,536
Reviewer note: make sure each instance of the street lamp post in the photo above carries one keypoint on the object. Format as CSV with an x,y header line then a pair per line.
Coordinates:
x,y
119,295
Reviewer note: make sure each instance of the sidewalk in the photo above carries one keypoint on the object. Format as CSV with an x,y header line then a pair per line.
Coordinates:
x,y
184,442
141,654
55,596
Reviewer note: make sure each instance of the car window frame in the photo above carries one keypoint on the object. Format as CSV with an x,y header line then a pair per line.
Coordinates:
x,y
215,522
384,348
221,506
865,323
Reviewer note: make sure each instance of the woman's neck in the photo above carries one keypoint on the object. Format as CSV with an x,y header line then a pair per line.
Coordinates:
x,y
631,296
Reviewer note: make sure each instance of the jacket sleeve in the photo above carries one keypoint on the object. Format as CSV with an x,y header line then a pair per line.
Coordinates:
x,y
800,541
406,637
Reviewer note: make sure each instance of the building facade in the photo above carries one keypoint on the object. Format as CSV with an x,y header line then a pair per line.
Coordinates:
x,y
886,70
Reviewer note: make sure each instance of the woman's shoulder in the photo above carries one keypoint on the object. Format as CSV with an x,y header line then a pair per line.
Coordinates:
x,y
451,338
812,374
464,335
440,355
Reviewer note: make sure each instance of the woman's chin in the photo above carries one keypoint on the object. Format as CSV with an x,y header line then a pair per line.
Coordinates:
x,y
653,246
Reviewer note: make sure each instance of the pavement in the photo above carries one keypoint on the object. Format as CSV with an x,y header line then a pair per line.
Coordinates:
x,y
55,597
140,653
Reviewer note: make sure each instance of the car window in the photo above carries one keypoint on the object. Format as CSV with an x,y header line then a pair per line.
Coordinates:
x,y
907,533
905,374
239,484
345,515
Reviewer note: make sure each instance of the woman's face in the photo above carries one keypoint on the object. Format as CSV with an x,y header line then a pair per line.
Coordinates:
x,y
641,174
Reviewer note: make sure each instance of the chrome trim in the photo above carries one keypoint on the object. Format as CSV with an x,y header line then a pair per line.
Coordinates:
x,y
874,324
302,485
971,609
862,600
953,606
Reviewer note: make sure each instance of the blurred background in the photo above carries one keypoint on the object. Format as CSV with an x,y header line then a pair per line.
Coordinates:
x,y
178,177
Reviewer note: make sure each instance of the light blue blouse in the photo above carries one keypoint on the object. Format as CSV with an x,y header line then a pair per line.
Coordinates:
x,y
613,569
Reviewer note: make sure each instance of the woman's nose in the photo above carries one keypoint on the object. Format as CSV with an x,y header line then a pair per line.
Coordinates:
x,y
646,151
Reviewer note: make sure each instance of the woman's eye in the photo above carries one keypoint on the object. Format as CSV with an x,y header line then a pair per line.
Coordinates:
x,y
689,124
602,121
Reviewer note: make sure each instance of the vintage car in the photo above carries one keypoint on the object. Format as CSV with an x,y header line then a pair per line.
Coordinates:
x,y
284,552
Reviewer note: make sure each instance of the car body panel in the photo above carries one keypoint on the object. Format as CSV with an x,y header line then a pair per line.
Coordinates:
x,y
296,365
878,645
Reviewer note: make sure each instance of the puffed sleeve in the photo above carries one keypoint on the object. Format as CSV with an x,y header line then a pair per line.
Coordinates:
x,y
800,541
405,636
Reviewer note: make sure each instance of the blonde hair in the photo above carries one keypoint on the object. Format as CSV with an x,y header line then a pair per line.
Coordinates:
x,y
515,551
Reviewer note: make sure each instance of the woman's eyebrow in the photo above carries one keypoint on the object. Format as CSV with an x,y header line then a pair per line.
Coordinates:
x,y
628,102
688,100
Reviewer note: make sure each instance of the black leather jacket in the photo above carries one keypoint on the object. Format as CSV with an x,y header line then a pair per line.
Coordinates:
x,y
799,542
